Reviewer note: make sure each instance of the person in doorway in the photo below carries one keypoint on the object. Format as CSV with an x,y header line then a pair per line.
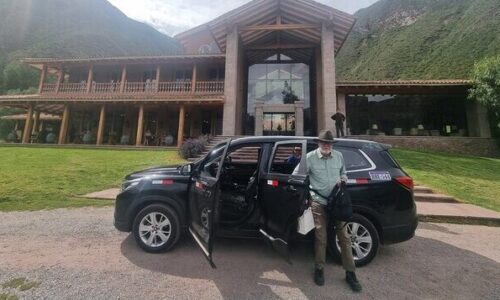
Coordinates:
x,y
326,168
339,119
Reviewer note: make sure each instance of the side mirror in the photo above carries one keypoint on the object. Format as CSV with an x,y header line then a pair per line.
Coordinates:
x,y
187,169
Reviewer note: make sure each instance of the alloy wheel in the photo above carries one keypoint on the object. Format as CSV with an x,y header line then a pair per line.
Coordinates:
x,y
361,240
155,229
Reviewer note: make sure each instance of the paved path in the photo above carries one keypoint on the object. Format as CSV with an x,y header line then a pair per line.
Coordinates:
x,y
77,254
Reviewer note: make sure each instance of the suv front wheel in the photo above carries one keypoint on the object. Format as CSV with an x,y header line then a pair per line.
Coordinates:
x,y
156,228
364,240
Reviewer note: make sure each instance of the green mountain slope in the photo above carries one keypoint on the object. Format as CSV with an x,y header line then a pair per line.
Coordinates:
x,y
69,28
420,39
66,28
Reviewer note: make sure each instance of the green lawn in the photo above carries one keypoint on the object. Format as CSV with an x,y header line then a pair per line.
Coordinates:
x,y
470,179
44,178
40,178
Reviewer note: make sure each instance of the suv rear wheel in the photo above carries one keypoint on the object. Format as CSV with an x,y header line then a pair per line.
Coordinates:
x,y
364,240
156,228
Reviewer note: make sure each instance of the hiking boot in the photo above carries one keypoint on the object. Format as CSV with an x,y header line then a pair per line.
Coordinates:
x,y
353,282
319,277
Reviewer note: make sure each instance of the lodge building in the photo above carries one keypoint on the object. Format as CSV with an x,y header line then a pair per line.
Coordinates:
x,y
265,68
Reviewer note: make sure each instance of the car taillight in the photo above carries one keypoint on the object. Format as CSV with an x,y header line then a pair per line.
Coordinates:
x,y
405,181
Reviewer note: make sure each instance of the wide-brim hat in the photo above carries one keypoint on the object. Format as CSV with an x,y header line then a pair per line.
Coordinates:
x,y
326,136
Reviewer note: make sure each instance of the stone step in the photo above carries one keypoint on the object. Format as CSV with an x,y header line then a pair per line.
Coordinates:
x,y
422,189
426,197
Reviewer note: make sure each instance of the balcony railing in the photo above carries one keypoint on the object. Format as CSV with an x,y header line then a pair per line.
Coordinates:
x,y
166,87
80,87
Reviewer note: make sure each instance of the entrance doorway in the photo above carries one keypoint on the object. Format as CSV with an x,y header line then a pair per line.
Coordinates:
x,y
279,124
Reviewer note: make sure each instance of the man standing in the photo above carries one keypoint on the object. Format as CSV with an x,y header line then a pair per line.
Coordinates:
x,y
326,169
339,119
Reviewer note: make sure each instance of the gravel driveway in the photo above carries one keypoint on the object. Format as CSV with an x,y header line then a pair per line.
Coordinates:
x,y
77,254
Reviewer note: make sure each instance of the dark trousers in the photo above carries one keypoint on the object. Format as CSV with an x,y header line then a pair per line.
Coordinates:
x,y
321,239
340,129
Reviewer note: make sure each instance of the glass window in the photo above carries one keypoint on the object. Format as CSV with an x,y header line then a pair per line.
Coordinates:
x,y
211,164
353,159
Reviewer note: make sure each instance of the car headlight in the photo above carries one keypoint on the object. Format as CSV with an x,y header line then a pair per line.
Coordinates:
x,y
130,184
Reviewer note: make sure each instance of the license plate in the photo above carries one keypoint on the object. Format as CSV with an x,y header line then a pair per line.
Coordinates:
x,y
381,176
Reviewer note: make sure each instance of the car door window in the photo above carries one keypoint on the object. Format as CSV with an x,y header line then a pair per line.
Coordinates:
x,y
286,158
211,164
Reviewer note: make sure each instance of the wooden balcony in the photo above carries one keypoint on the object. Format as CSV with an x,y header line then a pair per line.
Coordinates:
x,y
181,88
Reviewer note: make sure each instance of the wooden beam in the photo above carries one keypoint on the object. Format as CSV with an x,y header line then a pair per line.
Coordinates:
x,y
60,78
28,125
63,131
36,122
282,46
90,78
180,131
123,79
272,27
140,126
42,79
157,84
102,122
193,79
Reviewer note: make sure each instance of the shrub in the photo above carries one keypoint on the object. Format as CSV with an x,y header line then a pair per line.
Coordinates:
x,y
193,147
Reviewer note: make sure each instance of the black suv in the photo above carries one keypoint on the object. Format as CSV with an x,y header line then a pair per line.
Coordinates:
x,y
245,188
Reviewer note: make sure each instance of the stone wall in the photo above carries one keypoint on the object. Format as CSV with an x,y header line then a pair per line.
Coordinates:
x,y
457,145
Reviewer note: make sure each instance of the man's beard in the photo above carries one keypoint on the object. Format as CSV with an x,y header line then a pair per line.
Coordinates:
x,y
325,152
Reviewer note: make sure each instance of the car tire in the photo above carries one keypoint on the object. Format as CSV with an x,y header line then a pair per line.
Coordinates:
x,y
156,228
366,232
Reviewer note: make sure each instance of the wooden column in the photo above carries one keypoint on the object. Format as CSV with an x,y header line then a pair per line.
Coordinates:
x,y
102,122
328,72
60,78
43,76
28,125
123,79
140,126
36,123
90,78
64,125
180,131
158,74
193,80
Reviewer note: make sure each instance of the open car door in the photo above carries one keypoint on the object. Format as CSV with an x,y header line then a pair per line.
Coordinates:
x,y
283,193
204,195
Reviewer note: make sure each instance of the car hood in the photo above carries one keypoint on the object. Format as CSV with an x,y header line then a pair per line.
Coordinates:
x,y
165,170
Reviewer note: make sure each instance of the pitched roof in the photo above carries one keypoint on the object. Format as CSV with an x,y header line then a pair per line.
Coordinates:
x,y
266,12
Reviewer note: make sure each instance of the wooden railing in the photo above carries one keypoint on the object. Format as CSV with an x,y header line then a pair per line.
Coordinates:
x,y
209,87
166,87
79,87
108,87
49,88
175,87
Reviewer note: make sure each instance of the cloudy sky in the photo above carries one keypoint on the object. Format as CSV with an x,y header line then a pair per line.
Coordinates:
x,y
174,16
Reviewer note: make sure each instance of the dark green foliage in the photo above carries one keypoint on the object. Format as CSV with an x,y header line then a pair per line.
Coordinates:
x,y
486,89
420,39
69,28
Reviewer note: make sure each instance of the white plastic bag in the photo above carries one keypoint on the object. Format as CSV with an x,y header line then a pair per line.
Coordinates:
x,y
305,222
